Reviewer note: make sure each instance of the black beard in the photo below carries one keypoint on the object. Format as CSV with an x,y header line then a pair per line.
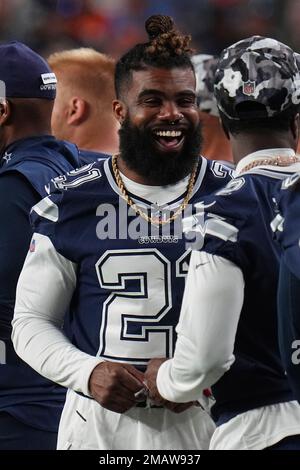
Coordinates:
x,y
140,155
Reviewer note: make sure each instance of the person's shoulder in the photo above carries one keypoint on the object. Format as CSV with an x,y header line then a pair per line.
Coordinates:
x,y
81,179
74,194
220,214
41,158
288,190
89,156
227,210
218,169
286,198
236,192
211,176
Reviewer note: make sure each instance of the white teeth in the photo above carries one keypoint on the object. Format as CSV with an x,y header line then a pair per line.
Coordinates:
x,y
168,133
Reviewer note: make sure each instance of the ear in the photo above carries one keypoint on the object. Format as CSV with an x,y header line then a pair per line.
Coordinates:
x,y
77,111
5,111
119,110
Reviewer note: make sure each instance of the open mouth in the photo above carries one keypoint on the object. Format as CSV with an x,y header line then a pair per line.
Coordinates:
x,y
169,139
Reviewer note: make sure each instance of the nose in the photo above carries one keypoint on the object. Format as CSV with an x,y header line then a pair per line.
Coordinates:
x,y
170,112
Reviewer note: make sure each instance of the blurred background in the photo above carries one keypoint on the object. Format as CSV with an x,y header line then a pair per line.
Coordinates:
x,y
113,26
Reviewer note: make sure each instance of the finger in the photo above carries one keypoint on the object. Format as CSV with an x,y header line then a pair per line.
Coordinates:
x,y
130,382
135,372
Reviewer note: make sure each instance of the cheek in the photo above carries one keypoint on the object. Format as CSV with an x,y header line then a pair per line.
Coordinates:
x,y
141,116
194,118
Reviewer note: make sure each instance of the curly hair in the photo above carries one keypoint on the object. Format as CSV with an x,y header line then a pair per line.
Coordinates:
x,y
167,48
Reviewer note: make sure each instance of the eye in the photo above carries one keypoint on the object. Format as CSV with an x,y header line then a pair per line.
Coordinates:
x,y
187,101
153,102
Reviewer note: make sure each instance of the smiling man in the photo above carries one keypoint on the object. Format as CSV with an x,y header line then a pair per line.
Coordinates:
x,y
160,135
124,273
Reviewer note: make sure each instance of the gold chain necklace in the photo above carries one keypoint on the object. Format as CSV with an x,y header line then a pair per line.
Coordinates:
x,y
276,161
138,210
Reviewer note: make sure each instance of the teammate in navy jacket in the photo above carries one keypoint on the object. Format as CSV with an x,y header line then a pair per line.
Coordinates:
x,y
30,405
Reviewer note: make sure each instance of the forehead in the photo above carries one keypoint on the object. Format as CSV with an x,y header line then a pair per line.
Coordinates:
x,y
168,81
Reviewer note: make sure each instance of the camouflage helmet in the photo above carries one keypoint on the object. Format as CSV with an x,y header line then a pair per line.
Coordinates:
x,y
260,70
205,66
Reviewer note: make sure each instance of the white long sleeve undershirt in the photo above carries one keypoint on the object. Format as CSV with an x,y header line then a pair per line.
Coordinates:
x,y
206,330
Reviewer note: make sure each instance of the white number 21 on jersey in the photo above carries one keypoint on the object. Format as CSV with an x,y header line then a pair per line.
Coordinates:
x,y
131,328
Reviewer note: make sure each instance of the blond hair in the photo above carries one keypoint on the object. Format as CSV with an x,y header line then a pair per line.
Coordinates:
x,y
86,70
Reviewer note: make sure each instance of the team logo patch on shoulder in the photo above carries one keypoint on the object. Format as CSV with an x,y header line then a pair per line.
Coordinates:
x,y
233,185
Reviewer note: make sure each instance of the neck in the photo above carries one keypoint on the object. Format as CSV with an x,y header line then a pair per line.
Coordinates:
x,y
131,174
12,135
139,211
244,144
98,138
214,139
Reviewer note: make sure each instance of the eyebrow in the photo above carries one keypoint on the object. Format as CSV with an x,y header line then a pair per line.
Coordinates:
x,y
153,91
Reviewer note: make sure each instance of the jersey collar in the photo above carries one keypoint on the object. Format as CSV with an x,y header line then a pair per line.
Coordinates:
x,y
262,154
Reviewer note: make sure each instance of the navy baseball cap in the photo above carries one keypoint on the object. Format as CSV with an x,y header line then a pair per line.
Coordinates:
x,y
205,66
260,70
24,73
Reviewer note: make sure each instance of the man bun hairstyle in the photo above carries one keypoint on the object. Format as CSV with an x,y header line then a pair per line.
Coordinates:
x,y
166,48
164,39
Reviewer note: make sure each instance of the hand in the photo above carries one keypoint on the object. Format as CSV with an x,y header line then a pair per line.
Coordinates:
x,y
114,385
150,380
156,398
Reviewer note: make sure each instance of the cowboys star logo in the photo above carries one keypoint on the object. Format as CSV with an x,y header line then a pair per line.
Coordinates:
x,y
7,157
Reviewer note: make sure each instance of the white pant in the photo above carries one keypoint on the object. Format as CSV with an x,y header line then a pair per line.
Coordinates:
x,y
258,428
86,425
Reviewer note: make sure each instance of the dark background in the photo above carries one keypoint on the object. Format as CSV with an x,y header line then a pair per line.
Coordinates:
x,y
113,26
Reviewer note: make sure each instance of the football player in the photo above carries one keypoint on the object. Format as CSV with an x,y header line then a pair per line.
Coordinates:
x,y
228,326
109,243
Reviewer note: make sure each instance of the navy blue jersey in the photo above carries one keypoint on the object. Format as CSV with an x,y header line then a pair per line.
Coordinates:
x,y
89,156
27,167
289,325
236,225
287,223
130,273
286,226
